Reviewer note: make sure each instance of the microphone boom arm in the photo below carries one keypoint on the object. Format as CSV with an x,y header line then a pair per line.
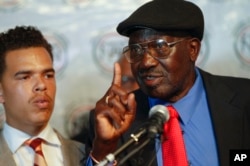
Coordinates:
x,y
110,158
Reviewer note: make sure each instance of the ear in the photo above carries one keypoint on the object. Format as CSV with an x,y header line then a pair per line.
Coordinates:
x,y
195,45
1,94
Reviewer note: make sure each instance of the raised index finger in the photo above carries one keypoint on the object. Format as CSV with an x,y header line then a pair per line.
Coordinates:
x,y
117,78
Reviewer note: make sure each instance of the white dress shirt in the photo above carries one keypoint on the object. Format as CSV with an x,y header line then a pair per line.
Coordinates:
x,y
24,155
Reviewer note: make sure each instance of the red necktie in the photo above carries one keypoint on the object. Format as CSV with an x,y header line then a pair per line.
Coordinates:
x,y
36,145
173,148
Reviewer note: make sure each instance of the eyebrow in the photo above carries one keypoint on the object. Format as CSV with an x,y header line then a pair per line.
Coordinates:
x,y
29,71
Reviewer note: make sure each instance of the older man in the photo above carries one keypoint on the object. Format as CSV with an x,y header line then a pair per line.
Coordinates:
x,y
214,111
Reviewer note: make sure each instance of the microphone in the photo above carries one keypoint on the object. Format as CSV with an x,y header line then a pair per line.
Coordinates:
x,y
158,115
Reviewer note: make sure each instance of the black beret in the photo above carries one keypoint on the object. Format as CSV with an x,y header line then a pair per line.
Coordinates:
x,y
170,16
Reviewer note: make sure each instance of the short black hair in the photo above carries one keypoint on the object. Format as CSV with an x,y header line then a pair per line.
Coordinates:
x,y
18,38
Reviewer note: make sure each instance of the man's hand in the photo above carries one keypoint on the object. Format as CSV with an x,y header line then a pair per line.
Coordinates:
x,y
114,113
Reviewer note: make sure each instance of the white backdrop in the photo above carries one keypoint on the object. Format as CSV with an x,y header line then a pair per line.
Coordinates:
x,y
86,44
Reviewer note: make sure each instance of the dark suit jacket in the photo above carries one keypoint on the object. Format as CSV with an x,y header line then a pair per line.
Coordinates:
x,y
73,152
229,105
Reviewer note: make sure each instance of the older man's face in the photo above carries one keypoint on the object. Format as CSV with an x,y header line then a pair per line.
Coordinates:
x,y
168,78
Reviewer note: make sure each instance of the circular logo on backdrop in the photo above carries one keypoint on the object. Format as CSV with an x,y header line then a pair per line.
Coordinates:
x,y
10,5
242,44
107,49
59,45
77,119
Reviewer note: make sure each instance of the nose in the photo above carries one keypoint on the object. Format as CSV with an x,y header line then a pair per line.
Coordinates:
x,y
148,59
40,84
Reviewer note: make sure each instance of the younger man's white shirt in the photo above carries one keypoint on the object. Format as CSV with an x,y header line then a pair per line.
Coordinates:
x,y
24,155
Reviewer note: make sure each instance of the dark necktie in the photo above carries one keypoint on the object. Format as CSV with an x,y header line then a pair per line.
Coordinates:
x,y
36,145
173,148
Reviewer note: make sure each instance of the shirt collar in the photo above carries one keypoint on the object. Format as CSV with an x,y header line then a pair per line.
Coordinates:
x,y
184,106
15,138
50,136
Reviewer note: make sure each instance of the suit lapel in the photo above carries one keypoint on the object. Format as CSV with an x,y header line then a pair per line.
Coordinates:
x,y
73,152
6,156
226,118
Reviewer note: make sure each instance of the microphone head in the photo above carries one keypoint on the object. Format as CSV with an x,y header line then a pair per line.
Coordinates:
x,y
160,109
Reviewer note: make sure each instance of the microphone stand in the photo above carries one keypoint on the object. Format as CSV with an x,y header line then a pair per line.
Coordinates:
x,y
149,136
110,158
131,153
